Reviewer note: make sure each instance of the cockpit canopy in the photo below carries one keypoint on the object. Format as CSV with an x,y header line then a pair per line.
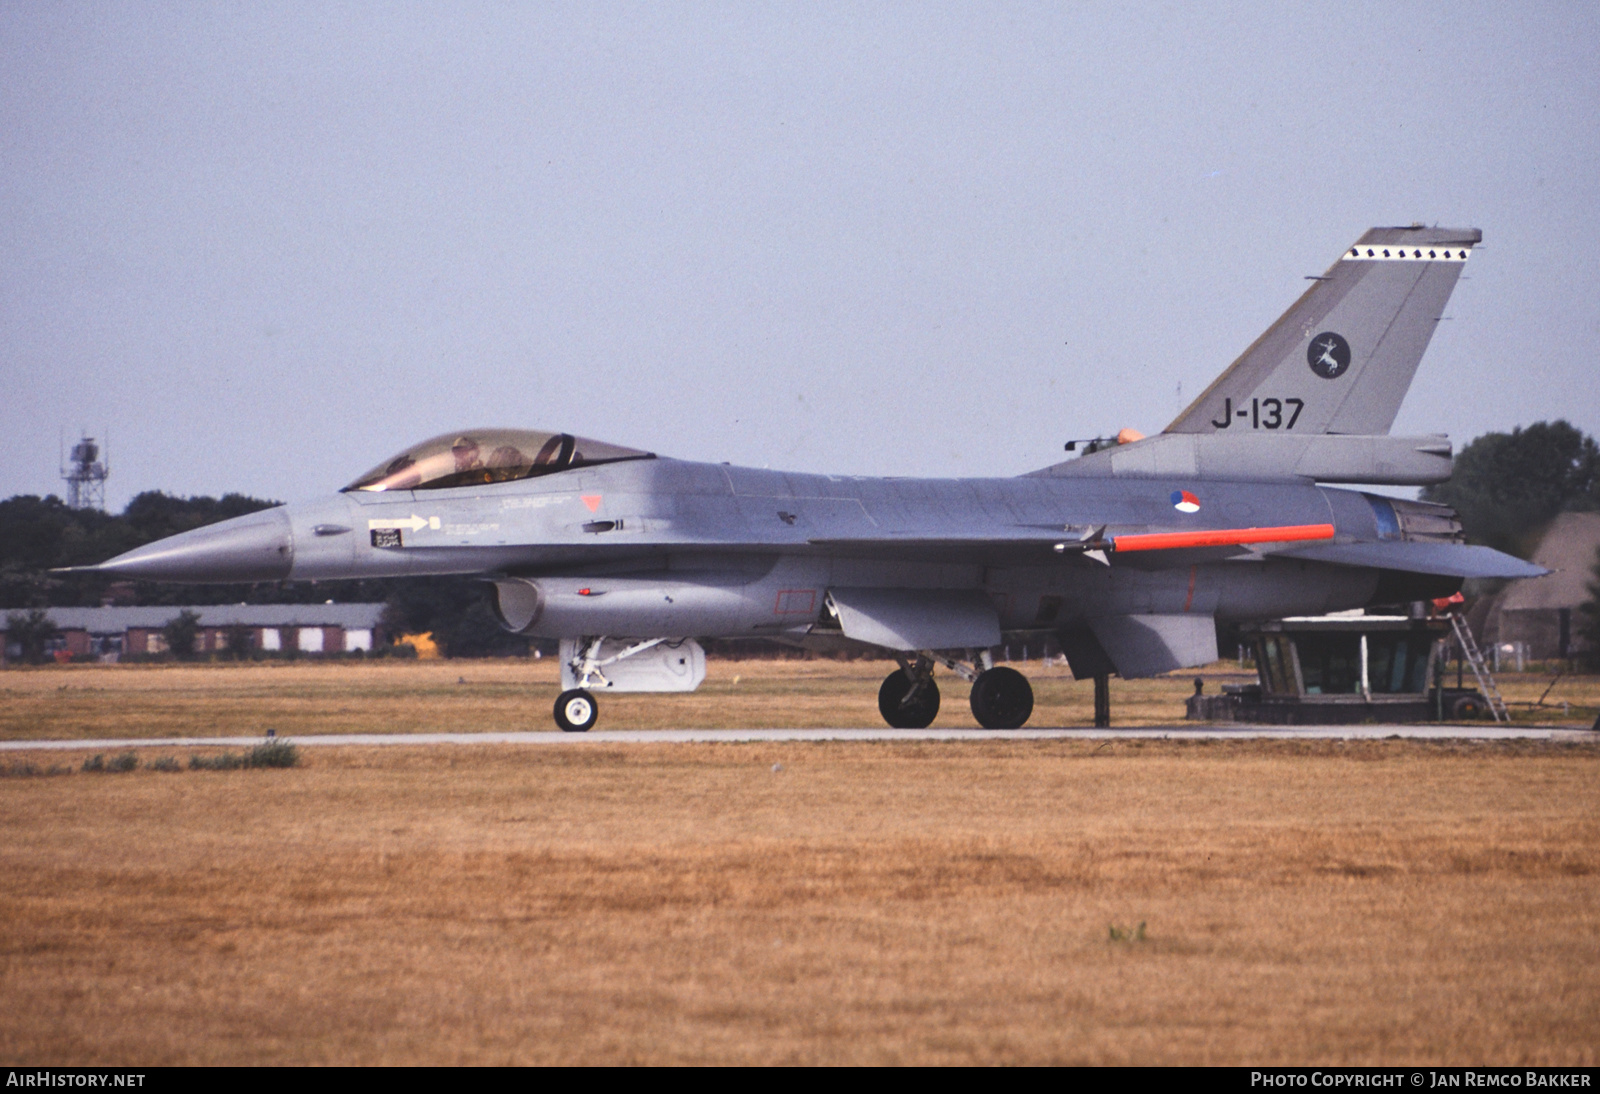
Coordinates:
x,y
479,456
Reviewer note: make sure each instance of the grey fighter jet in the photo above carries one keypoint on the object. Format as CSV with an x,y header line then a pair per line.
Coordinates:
x,y
1127,555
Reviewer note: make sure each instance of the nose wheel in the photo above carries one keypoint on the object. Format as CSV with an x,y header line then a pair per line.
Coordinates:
x,y
576,711
1002,698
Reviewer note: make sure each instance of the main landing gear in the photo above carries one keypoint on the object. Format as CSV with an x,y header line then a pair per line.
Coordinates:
x,y
1002,698
908,698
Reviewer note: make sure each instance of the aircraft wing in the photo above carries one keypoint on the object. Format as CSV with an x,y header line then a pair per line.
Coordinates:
x,y
996,546
890,543
1031,539
1445,559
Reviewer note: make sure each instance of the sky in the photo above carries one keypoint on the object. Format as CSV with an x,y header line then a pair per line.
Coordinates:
x,y
260,247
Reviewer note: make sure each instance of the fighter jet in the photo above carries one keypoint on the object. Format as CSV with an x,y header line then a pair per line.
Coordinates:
x,y
1127,556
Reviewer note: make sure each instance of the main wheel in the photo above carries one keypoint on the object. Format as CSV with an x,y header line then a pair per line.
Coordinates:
x,y
1002,698
576,711
917,714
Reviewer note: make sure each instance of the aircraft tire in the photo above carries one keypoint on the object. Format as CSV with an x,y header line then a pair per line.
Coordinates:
x,y
576,711
919,715
1467,706
1002,698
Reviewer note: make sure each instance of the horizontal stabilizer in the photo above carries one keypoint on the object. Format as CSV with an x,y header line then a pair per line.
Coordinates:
x,y
918,619
1147,645
1444,559
1303,457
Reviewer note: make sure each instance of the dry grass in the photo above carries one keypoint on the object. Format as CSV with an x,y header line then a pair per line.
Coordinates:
x,y
1304,902
1328,902
303,698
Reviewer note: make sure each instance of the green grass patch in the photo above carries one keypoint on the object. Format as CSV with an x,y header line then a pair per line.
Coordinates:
x,y
27,770
98,764
273,753
1127,934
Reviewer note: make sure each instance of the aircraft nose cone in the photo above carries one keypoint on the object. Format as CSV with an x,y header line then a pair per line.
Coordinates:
x,y
254,547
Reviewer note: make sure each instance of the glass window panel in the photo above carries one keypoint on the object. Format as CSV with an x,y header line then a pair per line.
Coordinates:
x,y
480,457
1330,664
1274,661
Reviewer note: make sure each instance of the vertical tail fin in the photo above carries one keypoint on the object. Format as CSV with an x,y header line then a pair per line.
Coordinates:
x,y
1342,358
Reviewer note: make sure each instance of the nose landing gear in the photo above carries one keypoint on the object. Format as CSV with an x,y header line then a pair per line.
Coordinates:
x,y
576,711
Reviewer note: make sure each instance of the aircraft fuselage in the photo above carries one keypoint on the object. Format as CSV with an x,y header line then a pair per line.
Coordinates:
x,y
678,548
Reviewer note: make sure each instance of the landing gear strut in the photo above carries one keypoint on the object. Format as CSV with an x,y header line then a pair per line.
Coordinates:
x,y
908,698
1002,698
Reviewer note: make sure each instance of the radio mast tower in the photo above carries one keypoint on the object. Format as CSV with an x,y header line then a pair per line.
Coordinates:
x,y
86,476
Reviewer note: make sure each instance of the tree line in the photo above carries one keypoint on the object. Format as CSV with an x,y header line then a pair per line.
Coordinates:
x,y
1509,486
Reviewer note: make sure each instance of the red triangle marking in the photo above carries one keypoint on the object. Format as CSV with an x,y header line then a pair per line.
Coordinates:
x,y
592,501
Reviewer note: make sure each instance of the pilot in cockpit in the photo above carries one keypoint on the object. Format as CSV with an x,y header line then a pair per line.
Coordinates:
x,y
465,451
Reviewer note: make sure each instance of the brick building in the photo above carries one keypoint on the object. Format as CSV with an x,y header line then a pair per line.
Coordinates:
x,y
311,629
1542,613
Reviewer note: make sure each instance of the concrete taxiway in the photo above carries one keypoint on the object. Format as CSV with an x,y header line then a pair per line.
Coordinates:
x,y
692,736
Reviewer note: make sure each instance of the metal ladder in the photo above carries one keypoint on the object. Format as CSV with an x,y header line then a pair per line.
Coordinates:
x,y
1486,684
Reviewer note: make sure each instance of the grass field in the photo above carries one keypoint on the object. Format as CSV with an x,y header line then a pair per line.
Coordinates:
x,y
303,698
996,901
